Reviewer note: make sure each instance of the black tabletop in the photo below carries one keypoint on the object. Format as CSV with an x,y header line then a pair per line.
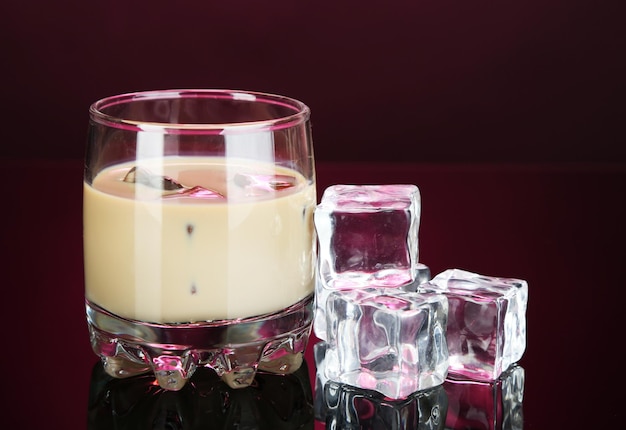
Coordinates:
x,y
559,227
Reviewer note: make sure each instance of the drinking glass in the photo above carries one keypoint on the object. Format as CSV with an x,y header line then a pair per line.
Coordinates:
x,y
199,244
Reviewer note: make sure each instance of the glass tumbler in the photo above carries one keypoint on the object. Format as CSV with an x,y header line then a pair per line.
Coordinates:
x,y
199,244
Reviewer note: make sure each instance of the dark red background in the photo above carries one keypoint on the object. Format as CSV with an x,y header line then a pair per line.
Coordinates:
x,y
508,116
412,80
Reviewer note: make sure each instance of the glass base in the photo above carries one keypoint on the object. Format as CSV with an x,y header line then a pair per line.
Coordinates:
x,y
235,349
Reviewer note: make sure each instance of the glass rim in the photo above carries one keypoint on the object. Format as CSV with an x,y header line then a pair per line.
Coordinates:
x,y
301,111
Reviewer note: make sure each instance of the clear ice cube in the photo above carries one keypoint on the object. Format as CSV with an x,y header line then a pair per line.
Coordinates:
x,y
171,188
322,291
390,342
422,275
368,235
367,238
343,406
486,329
260,185
141,175
489,405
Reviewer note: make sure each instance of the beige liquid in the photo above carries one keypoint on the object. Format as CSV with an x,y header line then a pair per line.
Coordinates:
x,y
189,260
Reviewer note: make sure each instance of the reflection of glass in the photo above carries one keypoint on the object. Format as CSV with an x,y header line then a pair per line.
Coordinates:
x,y
272,402
479,405
198,234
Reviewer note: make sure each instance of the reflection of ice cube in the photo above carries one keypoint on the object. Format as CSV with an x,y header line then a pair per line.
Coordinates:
x,y
392,343
489,405
486,321
319,355
368,234
344,406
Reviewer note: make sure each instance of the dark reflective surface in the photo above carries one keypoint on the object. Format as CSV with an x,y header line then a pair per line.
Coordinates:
x,y
560,227
341,406
272,402
458,404
288,402
496,405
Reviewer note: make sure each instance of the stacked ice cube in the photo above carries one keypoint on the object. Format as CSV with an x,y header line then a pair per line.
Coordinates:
x,y
380,336
385,325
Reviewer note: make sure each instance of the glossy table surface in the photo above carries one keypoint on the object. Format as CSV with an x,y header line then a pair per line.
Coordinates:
x,y
560,227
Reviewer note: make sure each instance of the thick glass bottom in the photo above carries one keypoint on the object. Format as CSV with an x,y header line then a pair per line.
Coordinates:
x,y
234,349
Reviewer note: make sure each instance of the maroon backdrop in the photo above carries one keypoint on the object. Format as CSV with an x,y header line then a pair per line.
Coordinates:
x,y
400,80
424,82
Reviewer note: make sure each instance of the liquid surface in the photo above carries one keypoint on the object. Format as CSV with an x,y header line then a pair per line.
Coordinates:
x,y
169,254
